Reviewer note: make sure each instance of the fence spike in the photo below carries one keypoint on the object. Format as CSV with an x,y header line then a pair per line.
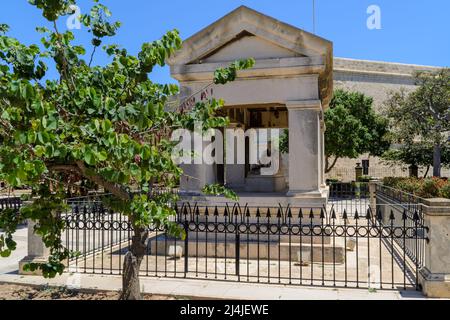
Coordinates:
x,y
344,216
416,216
279,213
379,215
322,214
356,217
258,213
392,215
404,215
333,214
300,213
311,214
268,213
236,211
225,212
369,214
289,215
216,211
197,211
206,212
247,212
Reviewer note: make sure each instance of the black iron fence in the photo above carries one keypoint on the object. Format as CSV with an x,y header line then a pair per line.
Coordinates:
x,y
349,196
302,246
10,203
396,205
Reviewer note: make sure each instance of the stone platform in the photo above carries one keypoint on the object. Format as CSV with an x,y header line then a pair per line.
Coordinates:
x,y
262,200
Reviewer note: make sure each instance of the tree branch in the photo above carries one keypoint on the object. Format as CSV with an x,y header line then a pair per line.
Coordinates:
x,y
64,168
111,187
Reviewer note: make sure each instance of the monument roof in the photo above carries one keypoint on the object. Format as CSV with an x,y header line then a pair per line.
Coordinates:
x,y
282,40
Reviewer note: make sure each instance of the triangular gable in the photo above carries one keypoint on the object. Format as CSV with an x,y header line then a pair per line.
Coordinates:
x,y
238,35
244,20
248,45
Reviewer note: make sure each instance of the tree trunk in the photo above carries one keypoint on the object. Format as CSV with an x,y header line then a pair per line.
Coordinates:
x,y
437,161
131,289
329,167
426,173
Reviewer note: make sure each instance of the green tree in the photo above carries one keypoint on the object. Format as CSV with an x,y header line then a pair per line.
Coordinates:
x,y
424,114
353,128
416,154
104,125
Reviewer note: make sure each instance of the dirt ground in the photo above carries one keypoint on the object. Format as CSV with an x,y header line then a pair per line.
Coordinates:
x,y
25,292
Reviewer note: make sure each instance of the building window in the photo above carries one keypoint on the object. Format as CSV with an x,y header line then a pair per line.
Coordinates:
x,y
365,165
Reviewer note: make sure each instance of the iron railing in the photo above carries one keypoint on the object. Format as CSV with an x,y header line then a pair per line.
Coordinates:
x,y
286,245
351,196
10,203
397,205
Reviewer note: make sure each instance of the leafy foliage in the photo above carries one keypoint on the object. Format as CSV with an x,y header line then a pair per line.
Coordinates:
x,y
224,75
217,190
425,188
422,116
96,126
416,154
353,127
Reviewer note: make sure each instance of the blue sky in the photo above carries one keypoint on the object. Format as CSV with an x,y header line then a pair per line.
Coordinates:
x,y
413,31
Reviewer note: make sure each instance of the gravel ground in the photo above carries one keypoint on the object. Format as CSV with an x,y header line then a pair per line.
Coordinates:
x,y
25,292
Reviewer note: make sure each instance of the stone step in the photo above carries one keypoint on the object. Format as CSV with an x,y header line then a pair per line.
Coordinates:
x,y
211,236
316,253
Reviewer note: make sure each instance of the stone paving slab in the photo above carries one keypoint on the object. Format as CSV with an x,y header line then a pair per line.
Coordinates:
x,y
213,289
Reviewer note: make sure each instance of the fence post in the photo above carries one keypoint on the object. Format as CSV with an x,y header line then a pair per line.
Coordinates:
x,y
37,251
373,194
186,248
435,274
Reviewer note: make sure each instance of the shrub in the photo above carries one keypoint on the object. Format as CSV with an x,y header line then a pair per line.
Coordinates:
x,y
425,188
445,191
429,189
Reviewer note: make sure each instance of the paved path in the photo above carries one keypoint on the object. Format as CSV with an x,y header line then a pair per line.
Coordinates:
x,y
212,289
11,263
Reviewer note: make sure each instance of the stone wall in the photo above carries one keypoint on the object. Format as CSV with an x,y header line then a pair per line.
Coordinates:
x,y
377,80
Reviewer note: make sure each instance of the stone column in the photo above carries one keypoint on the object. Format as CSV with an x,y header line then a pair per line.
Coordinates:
x,y
37,251
235,172
322,154
435,275
196,176
304,148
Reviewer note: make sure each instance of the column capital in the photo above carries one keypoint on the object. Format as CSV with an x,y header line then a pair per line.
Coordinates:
x,y
304,105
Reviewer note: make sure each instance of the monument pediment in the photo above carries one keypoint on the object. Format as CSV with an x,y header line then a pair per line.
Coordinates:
x,y
278,48
248,45
248,23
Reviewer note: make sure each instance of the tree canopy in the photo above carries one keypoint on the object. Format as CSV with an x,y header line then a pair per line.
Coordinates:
x,y
353,128
103,125
423,116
